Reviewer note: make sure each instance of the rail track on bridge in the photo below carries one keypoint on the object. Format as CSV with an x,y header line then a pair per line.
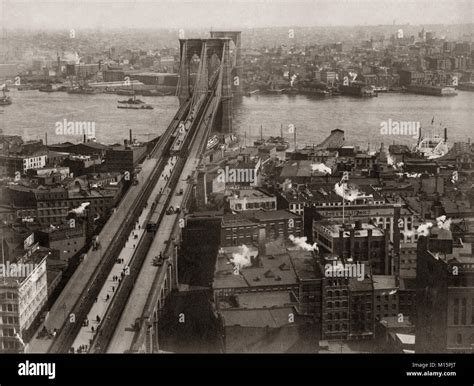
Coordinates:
x,y
66,335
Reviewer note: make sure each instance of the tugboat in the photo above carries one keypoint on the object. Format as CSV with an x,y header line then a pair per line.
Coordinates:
x,y
4,99
132,101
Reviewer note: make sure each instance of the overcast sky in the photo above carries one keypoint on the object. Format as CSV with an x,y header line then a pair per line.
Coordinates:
x,y
59,14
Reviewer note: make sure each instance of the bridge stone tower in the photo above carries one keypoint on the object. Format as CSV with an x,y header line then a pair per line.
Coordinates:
x,y
206,66
237,66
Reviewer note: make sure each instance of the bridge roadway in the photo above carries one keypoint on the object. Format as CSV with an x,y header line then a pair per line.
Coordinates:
x,y
145,295
79,284
111,286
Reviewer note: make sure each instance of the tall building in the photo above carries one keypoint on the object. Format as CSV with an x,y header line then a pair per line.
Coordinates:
x,y
361,241
23,294
445,295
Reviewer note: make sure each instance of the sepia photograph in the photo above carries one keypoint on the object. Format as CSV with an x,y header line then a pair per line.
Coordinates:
x,y
228,183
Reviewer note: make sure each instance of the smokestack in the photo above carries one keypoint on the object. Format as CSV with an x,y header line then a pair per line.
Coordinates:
x,y
341,243
396,234
84,139
351,243
262,235
46,139
369,244
445,134
130,131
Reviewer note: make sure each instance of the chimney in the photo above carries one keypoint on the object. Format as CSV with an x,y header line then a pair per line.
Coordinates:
x,y
84,138
351,243
341,243
396,233
369,244
262,236
130,132
445,134
46,138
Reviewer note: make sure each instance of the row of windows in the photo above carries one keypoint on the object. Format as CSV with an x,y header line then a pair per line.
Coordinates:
x,y
9,319
7,331
337,304
460,311
336,293
256,205
10,344
337,316
337,327
9,307
8,295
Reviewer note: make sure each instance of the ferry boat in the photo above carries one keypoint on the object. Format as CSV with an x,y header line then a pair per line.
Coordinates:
x,y
432,146
358,89
136,107
81,90
212,142
441,91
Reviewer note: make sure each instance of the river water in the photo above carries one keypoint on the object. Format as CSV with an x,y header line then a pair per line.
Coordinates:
x,y
34,113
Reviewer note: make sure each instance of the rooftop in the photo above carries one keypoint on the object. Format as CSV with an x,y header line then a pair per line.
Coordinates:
x,y
266,270
273,318
384,282
332,228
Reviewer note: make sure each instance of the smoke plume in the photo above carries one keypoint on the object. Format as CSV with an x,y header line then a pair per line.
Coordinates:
x,y
241,259
301,243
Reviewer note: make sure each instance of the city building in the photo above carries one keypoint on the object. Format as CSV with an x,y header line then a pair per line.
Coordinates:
x,y
445,288
23,294
245,227
362,242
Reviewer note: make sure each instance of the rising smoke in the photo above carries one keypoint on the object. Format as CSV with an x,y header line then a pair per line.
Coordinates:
x,y
301,243
80,209
348,193
321,168
242,258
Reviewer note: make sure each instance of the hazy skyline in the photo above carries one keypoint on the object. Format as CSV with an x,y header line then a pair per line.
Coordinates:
x,y
67,14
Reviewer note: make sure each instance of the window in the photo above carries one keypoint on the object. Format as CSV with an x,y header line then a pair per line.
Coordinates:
x,y
463,311
456,311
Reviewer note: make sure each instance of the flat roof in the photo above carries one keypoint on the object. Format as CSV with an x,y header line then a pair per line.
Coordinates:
x,y
273,270
384,282
272,317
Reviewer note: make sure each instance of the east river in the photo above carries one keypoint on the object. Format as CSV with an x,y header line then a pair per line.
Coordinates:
x,y
35,113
